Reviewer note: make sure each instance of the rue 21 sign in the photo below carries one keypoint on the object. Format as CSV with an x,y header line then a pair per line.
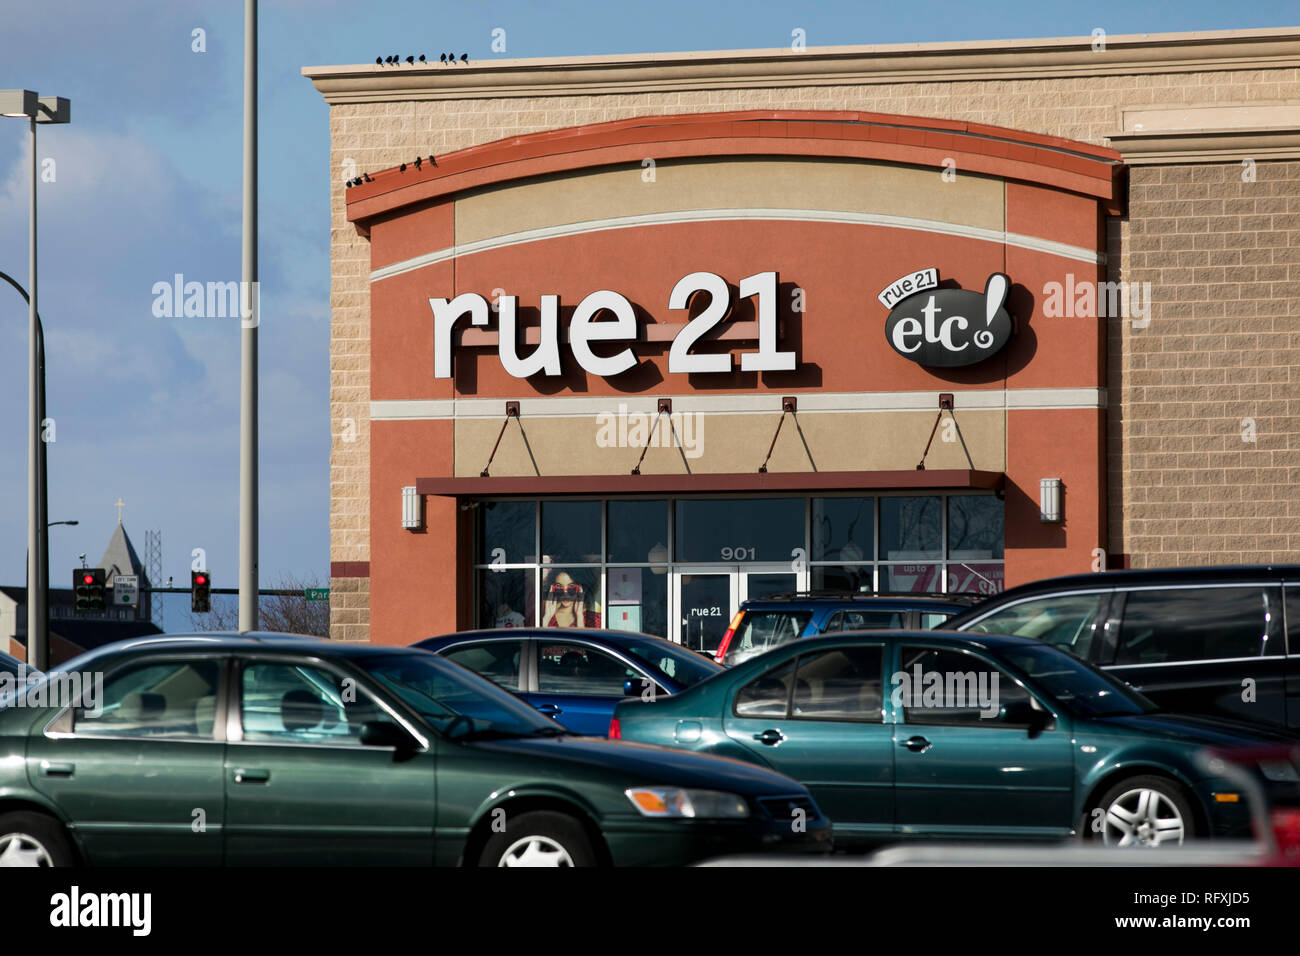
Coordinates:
x,y
946,328
584,330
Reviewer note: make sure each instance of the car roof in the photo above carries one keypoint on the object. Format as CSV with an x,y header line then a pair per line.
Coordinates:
x,y
990,642
247,641
883,601
621,638
1142,577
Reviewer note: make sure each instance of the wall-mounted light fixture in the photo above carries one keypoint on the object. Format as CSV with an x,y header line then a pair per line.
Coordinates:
x,y
1049,500
412,509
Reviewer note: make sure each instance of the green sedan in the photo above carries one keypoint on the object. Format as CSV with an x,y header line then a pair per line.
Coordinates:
x,y
957,735
273,749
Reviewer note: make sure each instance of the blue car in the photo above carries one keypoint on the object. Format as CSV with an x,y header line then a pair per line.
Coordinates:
x,y
575,675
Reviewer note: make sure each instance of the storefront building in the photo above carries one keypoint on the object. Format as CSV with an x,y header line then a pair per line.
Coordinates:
x,y
624,341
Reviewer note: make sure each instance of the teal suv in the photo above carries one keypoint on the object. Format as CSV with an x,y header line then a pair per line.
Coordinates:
x,y
952,735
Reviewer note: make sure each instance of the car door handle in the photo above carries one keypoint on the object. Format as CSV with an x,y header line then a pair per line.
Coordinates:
x,y
550,709
770,737
918,745
51,769
252,775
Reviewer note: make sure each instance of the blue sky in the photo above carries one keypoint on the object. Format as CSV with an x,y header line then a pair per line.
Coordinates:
x,y
148,185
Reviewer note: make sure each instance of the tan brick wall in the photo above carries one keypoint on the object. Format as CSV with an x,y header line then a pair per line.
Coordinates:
x,y
1222,352
350,609
1245,516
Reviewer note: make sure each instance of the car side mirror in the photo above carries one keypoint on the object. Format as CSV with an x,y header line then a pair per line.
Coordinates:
x,y
1023,713
385,733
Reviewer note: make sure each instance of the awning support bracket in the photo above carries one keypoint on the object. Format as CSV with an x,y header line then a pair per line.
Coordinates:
x,y
945,403
789,406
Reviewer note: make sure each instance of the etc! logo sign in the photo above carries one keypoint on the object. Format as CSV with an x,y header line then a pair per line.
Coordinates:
x,y
946,328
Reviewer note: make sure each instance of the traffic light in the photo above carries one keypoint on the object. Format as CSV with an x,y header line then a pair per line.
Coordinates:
x,y
200,586
88,588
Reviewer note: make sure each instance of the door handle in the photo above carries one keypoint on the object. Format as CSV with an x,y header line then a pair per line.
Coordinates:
x,y
550,709
252,775
770,737
918,745
52,769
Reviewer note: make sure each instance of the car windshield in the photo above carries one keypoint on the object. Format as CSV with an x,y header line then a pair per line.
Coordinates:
x,y
674,661
454,700
1077,685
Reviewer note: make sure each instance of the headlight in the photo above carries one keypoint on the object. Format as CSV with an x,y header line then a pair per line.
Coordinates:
x,y
1279,771
672,802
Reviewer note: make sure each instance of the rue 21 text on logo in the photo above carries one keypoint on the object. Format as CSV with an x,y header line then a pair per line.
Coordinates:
x,y
946,328
584,330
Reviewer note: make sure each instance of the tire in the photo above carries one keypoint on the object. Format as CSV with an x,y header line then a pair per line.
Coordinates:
x,y
34,839
1143,811
540,838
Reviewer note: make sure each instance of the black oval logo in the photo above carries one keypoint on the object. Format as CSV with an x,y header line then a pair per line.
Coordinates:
x,y
948,328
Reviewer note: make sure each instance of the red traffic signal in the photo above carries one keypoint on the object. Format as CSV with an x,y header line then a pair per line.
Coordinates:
x,y
88,590
200,598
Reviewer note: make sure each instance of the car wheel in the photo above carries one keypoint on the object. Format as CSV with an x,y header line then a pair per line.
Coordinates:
x,y
1143,811
33,839
540,838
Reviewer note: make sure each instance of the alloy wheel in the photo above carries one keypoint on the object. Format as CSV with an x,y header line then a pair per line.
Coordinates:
x,y
21,849
1143,817
536,851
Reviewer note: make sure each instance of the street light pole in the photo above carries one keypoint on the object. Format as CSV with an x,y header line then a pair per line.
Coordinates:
x,y
38,622
36,109
250,300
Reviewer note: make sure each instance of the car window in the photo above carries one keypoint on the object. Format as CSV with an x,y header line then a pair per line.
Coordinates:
x,y
301,704
768,695
761,631
864,620
1164,625
580,669
947,687
1293,620
498,661
840,684
673,660
1067,621
932,619
159,699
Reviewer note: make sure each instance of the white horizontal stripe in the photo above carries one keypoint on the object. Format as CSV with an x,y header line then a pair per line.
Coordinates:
x,y
735,215
584,406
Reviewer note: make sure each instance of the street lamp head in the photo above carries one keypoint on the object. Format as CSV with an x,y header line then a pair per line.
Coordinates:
x,y
54,109
18,103
29,105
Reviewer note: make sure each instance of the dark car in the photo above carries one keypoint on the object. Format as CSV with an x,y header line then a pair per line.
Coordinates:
x,y
959,736
271,749
1222,641
769,622
575,675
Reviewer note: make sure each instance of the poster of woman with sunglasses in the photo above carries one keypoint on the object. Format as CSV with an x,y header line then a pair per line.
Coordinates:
x,y
567,603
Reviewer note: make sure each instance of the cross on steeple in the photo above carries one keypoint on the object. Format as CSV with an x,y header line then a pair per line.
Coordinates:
x,y
120,505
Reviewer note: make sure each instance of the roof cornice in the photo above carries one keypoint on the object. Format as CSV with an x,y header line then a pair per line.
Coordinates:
x,y
819,66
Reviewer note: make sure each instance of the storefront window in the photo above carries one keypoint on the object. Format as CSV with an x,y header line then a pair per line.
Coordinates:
x,y
571,597
911,528
911,578
571,532
507,532
855,578
638,531
678,568
739,530
638,600
505,597
844,529
975,528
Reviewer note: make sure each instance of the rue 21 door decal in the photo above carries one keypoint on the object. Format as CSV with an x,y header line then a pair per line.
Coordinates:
x,y
946,328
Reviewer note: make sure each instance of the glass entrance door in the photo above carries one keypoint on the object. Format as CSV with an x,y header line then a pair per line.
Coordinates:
x,y
706,600
708,597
